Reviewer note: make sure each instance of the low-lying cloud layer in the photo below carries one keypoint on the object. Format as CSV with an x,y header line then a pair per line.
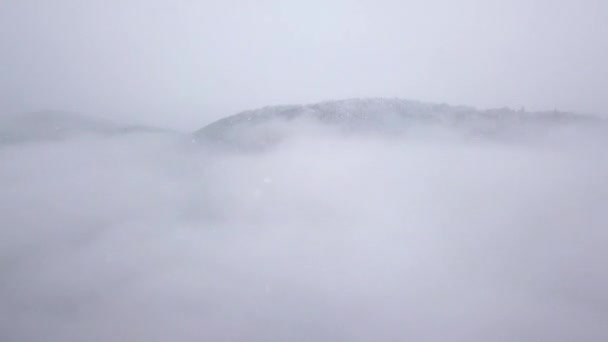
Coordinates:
x,y
324,237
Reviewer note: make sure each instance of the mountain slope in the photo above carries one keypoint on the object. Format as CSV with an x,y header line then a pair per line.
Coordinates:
x,y
267,126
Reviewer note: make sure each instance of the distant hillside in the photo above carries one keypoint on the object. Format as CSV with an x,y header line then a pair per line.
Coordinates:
x,y
55,125
267,126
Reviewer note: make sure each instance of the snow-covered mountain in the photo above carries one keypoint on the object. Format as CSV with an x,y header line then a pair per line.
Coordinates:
x,y
265,127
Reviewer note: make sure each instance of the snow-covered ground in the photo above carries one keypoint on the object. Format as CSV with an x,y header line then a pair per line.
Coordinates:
x,y
432,236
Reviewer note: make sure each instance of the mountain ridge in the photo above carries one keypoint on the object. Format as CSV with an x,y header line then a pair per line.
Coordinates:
x,y
378,116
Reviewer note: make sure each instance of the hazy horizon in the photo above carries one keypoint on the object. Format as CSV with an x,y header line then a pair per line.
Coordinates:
x,y
187,63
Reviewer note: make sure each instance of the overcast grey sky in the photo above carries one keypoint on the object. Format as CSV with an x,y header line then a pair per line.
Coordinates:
x,y
183,63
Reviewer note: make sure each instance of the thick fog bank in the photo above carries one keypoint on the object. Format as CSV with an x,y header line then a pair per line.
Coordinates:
x,y
324,237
